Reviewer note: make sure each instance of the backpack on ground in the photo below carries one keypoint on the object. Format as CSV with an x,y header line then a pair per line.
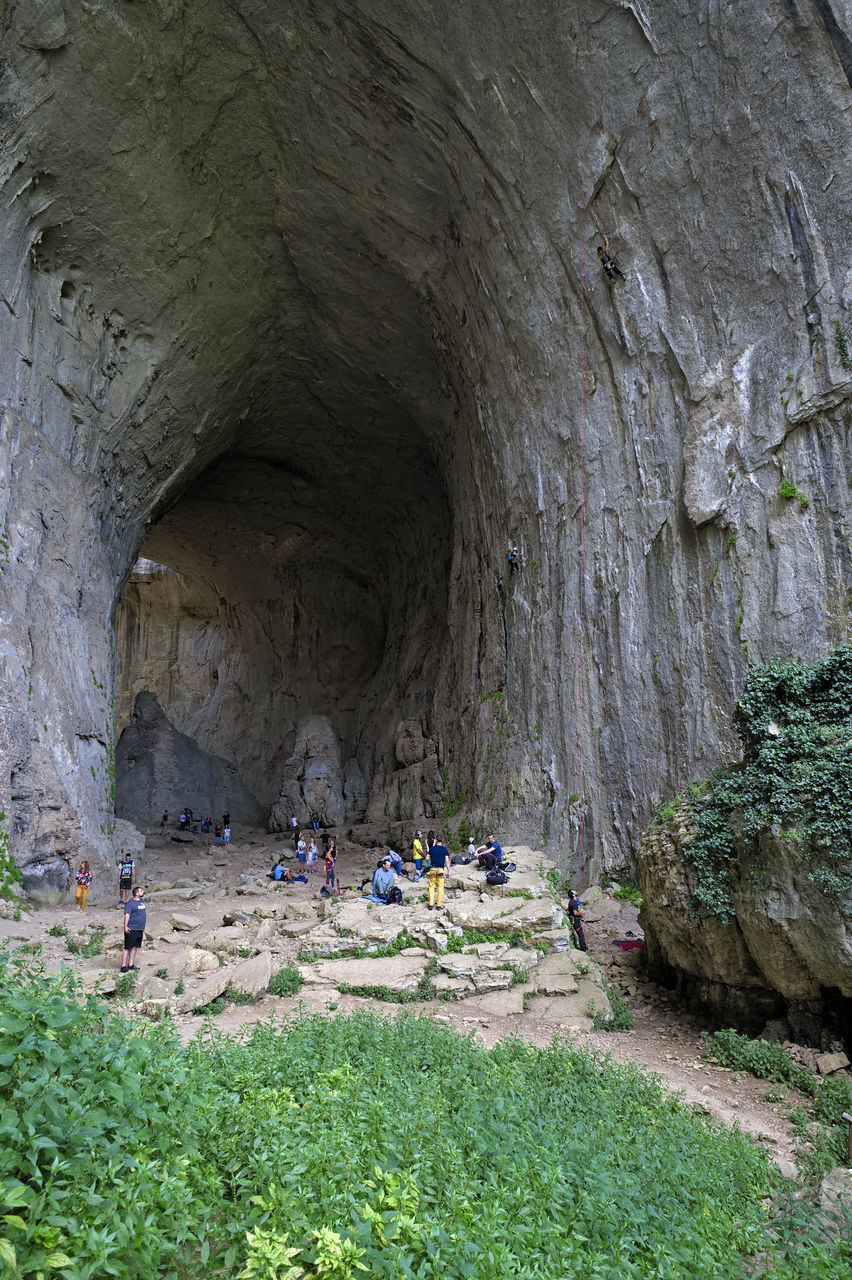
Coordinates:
x,y
394,896
496,877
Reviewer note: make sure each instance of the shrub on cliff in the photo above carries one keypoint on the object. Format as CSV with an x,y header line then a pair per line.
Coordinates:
x,y
795,723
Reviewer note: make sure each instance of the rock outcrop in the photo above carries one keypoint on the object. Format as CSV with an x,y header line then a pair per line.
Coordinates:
x,y
298,309
787,951
158,768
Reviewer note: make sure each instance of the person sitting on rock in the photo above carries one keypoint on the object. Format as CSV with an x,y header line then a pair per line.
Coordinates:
x,y
490,855
280,871
384,882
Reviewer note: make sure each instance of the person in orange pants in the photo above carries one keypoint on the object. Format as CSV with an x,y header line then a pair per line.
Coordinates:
x,y
84,879
439,858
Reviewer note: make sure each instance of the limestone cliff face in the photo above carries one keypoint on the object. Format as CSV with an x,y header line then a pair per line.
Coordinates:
x,y
295,303
787,951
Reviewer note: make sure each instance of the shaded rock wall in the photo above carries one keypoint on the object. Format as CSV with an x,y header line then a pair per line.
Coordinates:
x,y
159,768
317,289
788,951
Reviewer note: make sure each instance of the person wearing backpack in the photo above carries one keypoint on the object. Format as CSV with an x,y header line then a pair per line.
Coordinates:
x,y
125,880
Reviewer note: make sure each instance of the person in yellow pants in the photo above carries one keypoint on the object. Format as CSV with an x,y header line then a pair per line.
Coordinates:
x,y
84,879
439,856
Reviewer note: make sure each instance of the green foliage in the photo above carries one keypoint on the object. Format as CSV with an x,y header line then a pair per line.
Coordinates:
x,y
228,1172
795,723
789,490
58,930
179,987
622,1018
10,876
162,973
125,985
629,893
821,1132
93,946
212,1009
842,345
286,981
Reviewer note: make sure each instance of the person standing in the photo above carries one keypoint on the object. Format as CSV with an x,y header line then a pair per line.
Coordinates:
x,y
125,879
325,840
577,916
419,854
301,853
312,856
134,928
84,879
226,819
330,860
164,821
439,858
217,833
226,833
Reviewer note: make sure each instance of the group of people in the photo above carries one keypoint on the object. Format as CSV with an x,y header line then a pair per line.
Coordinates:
x,y
187,822
307,857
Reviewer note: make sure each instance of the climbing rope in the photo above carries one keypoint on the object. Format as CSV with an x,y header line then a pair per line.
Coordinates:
x,y
582,520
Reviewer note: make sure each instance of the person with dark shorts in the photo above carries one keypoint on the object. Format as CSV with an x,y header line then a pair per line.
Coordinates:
x,y
330,860
125,879
134,929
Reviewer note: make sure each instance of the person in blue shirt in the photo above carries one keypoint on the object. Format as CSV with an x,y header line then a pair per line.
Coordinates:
x,y
280,872
439,863
384,879
134,928
490,855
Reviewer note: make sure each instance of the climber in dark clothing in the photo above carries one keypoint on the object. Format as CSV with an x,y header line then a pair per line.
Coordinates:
x,y
609,265
576,915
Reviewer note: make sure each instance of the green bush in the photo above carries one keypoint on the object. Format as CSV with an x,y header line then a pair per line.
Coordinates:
x,y
817,1152
622,1018
795,723
286,981
124,1153
93,946
10,876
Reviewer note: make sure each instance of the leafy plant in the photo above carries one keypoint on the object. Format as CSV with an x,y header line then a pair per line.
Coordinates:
x,y
286,981
622,1018
125,985
10,876
795,723
789,490
842,345
58,930
93,945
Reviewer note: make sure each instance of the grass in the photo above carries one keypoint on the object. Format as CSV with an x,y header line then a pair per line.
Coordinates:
x,y
92,947
821,1134
286,1148
286,982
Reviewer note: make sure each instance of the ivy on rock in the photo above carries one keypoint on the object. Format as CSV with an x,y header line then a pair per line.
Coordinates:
x,y
795,778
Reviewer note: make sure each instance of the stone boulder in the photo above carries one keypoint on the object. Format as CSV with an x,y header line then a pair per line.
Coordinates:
x,y
158,768
313,776
787,951
252,976
503,915
399,973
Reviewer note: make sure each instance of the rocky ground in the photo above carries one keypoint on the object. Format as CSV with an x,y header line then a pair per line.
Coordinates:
x,y
217,925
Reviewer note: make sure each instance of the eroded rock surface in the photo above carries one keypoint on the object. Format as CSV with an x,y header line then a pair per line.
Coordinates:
x,y
297,308
786,951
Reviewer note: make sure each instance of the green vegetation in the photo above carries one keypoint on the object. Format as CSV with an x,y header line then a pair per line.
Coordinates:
x,y
629,893
821,1133
286,981
842,345
622,1018
93,946
789,490
547,1164
795,723
10,876
125,985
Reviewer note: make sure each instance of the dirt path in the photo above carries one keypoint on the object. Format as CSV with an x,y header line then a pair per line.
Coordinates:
x,y
666,1040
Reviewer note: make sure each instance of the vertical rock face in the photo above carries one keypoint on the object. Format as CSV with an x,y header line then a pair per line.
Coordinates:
x,y
787,950
306,309
158,768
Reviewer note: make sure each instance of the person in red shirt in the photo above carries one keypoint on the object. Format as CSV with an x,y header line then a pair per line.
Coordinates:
x,y
330,860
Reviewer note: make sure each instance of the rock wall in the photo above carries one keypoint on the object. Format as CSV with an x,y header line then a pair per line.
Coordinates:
x,y
787,952
306,308
158,768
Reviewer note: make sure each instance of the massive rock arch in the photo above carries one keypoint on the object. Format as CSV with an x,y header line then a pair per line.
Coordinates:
x,y
308,278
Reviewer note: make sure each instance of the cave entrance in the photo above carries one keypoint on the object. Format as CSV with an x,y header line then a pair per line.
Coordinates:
x,y
285,613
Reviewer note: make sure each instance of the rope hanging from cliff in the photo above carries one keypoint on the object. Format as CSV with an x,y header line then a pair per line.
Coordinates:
x,y
582,521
